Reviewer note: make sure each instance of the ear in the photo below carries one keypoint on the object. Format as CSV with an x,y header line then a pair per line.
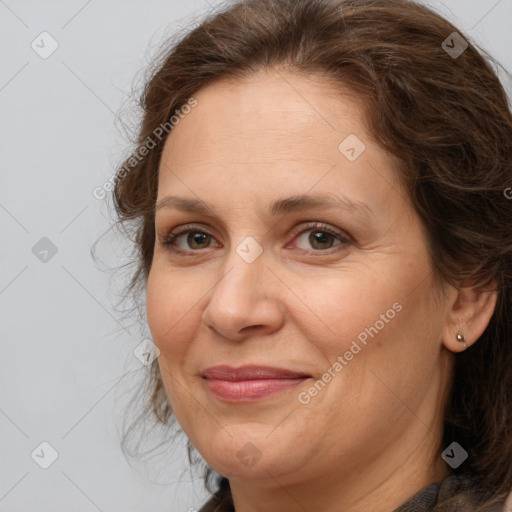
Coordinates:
x,y
469,311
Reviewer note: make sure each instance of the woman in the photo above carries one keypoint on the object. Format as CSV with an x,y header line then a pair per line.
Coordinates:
x,y
317,197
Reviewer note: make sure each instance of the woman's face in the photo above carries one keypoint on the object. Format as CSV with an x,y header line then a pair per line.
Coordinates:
x,y
304,256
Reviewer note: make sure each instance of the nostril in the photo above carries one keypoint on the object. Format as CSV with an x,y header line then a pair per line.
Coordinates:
x,y
251,327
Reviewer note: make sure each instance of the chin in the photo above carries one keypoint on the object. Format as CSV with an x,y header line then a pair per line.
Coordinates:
x,y
247,451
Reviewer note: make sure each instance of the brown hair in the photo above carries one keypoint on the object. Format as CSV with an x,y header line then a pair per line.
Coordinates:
x,y
444,118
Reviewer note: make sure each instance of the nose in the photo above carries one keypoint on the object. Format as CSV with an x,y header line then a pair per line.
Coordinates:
x,y
245,301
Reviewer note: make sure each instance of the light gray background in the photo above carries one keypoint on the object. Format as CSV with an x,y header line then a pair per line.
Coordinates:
x,y
67,363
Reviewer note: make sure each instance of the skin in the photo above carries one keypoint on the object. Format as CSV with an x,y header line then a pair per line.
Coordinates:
x,y
369,439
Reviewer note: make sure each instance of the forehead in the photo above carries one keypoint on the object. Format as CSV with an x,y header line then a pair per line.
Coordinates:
x,y
273,133
267,111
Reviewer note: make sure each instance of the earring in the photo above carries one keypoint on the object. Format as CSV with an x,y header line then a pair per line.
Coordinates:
x,y
462,339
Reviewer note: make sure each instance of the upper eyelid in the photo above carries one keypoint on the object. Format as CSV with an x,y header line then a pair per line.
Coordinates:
x,y
304,226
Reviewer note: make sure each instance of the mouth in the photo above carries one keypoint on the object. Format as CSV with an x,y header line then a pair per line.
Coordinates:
x,y
249,383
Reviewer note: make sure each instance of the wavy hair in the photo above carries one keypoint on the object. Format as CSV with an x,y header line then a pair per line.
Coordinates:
x,y
444,118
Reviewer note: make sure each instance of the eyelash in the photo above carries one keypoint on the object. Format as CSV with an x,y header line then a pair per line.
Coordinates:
x,y
170,239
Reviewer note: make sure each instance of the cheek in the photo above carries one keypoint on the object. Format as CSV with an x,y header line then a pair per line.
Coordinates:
x,y
351,306
170,315
157,304
170,311
376,314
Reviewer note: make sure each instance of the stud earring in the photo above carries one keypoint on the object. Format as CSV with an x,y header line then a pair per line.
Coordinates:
x,y
462,339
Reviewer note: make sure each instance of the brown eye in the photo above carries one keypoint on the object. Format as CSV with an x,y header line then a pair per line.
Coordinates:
x,y
196,240
320,238
316,238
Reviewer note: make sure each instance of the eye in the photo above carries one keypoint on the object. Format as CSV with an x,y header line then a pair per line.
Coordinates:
x,y
194,240
321,238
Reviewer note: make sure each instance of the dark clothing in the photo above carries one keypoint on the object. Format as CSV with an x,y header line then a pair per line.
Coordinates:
x,y
455,493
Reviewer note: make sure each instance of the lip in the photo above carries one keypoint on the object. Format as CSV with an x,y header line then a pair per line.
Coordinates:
x,y
250,372
249,383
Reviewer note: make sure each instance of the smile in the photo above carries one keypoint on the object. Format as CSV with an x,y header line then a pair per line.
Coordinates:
x,y
249,383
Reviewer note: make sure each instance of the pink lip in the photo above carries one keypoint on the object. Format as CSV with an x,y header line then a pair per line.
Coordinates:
x,y
249,383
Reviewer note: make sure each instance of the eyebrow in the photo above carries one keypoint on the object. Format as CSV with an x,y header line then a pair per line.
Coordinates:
x,y
279,207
